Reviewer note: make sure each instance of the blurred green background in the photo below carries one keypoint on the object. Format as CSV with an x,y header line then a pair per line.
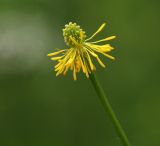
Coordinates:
x,y
39,109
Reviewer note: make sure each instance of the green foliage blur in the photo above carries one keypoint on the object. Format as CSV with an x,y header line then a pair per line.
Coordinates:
x,y
39,109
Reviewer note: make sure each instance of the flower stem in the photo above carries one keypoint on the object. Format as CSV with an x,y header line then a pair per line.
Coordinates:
x,y
108,108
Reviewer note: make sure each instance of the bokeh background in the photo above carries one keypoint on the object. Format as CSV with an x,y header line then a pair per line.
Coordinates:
x,y
39,109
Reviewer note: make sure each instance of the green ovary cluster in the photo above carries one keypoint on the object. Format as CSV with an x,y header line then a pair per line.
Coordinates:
x,y
73,34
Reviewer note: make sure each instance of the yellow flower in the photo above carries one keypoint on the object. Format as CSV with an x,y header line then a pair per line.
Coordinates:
x,y
78,56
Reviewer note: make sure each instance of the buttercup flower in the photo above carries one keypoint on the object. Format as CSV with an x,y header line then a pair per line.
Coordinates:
x,y
80,52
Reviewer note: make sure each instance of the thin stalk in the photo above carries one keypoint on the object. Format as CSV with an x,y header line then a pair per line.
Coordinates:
x,y
108,108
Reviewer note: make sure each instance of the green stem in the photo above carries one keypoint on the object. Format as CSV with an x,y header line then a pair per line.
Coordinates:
x,y
109,110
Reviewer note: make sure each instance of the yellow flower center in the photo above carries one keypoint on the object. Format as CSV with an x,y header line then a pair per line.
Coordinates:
x,y
73,34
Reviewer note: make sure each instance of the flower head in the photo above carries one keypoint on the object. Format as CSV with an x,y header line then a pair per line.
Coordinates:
x,y
80,52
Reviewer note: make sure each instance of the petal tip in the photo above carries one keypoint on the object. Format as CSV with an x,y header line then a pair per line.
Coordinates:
x,y
113,58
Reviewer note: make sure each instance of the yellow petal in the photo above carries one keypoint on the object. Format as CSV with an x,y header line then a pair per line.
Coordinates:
x,y
99,30
109,56
83,67
102,48
74,74
100,62
73,40
105,39
55,53
90,61
56,58
71,57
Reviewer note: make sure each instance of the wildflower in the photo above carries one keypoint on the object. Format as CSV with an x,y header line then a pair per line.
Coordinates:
x,y
78,56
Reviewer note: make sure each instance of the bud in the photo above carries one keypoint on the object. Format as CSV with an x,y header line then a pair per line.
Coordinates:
x,y
71,32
